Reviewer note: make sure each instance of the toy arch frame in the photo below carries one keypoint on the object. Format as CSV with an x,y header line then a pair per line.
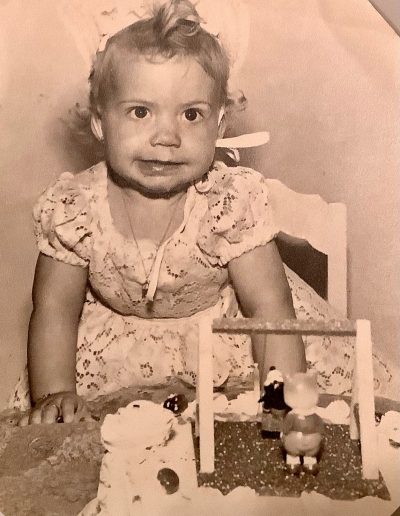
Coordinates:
x,y
362,383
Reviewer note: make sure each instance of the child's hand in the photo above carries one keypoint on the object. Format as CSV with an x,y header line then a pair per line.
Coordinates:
x,y
64,407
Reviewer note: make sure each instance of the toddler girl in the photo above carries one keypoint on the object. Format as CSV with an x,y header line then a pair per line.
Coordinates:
x,y
136,250
140,247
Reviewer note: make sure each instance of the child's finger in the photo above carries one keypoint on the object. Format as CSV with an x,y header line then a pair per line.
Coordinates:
x,y
68,407
50,413
83,414
24,421
35,417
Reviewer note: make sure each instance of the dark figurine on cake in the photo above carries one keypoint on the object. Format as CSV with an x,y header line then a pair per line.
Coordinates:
x,y
302,427
274,406
176,403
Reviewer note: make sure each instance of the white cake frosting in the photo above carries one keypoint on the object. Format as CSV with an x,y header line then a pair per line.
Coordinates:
x,y
138,425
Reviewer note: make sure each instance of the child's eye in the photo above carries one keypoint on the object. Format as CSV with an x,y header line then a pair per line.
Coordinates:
x,y
192,114
139,112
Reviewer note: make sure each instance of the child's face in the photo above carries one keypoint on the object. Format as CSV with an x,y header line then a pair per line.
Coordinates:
x,y
161,123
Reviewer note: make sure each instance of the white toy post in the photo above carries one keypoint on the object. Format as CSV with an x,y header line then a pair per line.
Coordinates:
x,y
353,427
204,395
365,397
362,389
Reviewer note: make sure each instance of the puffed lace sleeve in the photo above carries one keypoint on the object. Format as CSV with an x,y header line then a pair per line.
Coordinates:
x,y
62,221
239,216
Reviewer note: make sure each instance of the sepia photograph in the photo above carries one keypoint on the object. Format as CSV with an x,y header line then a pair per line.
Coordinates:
x,y
200,257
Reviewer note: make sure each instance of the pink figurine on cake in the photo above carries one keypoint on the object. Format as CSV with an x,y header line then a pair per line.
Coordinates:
x,y
302,427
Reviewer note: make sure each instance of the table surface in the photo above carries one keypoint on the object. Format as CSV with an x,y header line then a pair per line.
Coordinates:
x,y
53,470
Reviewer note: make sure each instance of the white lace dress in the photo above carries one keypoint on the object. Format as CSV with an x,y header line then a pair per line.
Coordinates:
x,y
121,340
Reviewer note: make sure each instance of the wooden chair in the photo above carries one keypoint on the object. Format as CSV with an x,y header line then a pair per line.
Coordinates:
x,y
308,218
323,225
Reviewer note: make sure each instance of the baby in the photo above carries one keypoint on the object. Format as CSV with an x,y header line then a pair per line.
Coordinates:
x,y
136,250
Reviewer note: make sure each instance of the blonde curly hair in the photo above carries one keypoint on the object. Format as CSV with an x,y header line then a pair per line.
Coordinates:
x,y
173,30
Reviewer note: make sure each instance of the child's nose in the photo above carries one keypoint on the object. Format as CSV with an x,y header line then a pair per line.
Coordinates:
x,y
166,132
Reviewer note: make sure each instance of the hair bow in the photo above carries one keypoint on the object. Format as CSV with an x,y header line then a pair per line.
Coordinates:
x,y
93,22
242,141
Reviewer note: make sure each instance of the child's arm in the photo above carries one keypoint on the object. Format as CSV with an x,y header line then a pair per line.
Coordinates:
x,y
262,289
58,296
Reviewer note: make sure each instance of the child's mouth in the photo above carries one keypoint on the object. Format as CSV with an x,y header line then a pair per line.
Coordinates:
x,y
156,166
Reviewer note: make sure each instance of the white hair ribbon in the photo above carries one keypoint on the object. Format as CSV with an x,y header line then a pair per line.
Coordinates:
x,y
93,22
242,141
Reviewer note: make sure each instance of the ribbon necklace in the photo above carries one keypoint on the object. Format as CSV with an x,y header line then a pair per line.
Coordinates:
x,y
145,286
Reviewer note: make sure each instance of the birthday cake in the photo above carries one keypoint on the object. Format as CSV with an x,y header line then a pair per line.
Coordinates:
x,y
151,467
72,464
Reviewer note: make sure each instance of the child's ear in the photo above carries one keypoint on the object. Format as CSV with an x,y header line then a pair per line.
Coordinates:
x,y
95,125
221,123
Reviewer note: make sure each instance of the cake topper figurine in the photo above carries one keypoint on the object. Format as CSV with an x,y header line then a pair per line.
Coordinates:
x,y
274,406
302,427
177,403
